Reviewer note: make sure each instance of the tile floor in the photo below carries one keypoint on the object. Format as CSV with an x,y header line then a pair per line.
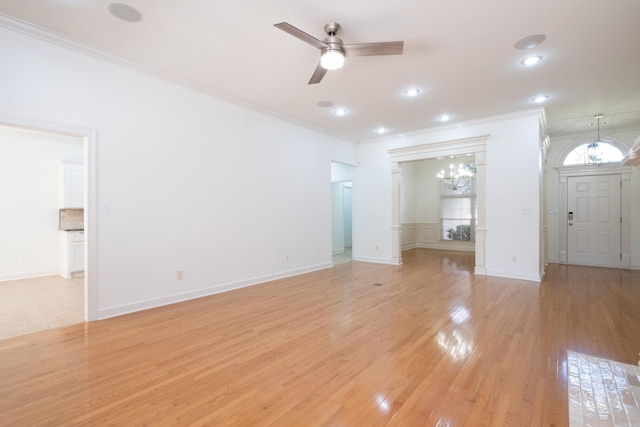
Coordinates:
x,y
38,304
602,392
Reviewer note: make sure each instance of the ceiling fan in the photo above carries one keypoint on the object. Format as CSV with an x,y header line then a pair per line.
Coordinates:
x,y
333,50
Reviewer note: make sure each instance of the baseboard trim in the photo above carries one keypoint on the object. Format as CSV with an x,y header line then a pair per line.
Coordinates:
x,y
511,275
374,260
120,310
22,276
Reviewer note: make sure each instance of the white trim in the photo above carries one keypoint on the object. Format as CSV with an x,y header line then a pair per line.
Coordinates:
x,y
454,147
473,145
584,140
22,27
378,260
424,235
22,276
463,124
120,310
564,172
90,138
511,275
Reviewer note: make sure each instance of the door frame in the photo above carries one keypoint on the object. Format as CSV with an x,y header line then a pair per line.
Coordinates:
x,y
474,145
89,138
625,205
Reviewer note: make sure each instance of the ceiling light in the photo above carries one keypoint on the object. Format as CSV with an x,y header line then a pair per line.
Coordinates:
x,y
444,117
325,104
540,99
124,12
381,130
594,151
530,42
532,60
457,178
412,92
341,112
332,59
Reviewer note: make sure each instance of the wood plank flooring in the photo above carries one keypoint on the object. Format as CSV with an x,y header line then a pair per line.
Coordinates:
x,y
427,343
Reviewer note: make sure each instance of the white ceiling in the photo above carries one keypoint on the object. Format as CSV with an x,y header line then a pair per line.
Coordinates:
x,y
460,53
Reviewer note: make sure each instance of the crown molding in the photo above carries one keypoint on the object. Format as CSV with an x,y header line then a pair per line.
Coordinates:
x,y
28,29
460,125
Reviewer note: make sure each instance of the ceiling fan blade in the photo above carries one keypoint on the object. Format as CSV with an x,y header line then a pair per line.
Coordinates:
x,y
371,49
318,74
288,28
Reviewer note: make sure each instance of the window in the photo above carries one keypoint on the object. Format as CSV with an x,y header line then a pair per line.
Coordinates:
x,y
458,210
593,153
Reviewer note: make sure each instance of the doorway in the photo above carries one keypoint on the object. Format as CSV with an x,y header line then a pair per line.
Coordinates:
x,y
342,222
584,242
593,220
85,139
475,146
341,213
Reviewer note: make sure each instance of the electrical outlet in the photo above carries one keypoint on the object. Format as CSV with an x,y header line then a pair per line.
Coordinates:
x,y
214,268
286,257
179,275
377,247
514,259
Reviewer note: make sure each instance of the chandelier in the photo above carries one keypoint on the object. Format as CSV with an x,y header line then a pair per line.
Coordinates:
x,y
457,178
594,152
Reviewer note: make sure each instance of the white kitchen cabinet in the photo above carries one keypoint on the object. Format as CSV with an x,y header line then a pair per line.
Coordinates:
x,y
72,188
71,253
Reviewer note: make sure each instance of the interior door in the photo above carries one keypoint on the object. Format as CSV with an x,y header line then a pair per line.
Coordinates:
x,y
593,220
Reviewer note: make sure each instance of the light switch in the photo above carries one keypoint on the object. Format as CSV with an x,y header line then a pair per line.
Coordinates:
x,y
105,208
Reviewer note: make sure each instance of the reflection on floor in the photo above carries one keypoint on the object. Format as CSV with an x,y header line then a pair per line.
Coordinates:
x,y
343,257
602,392
38,304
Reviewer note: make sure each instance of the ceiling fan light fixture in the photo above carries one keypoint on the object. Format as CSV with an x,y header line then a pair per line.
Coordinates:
x,y
332,59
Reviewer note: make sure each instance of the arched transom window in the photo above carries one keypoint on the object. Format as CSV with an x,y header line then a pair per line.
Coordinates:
x,y
593,153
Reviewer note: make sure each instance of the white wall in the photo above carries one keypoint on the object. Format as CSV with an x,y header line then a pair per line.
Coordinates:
x,y
337,217
29,196
191,180
420,204
558,146
348,214
512,200
341,174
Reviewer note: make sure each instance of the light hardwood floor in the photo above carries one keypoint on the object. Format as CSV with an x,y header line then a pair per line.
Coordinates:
x,y
427,343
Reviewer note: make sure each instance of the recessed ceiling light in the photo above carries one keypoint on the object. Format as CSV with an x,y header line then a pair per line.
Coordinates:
x,y
530,41
380,130
325,104
412,92
540,99
444,117
124,12
532,60
340,112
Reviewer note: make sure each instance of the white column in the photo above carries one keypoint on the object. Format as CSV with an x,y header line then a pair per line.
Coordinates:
x,y
396,228
481,220
625,213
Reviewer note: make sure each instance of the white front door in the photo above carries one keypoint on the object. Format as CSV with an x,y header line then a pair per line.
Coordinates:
x,y
593,221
